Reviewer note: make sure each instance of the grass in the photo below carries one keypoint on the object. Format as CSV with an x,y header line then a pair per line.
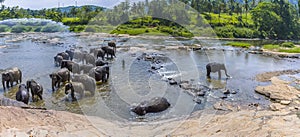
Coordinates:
x,y
271,47
278,48
239,44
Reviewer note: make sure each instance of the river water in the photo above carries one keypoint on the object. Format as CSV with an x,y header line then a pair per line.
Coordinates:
x,y
131,82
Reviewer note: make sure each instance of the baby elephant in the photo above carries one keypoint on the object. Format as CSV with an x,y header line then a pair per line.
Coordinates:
x,y
75,87
154,105
215,67
36,89
22,94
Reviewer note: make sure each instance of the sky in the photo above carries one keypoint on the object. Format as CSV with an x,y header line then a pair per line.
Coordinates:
x,y
40,4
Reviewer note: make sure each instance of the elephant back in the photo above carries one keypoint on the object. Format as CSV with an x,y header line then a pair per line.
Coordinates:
x,y
88,82
15,73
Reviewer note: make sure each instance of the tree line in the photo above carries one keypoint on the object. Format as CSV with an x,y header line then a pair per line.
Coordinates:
x,y
275,19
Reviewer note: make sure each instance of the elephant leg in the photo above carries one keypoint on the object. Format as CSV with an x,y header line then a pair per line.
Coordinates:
x,y
3,84
7,84
40,96
53,85
32,94
208,73
11,83
219,73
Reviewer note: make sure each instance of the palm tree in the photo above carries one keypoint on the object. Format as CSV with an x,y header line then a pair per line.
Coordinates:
x,y
246,8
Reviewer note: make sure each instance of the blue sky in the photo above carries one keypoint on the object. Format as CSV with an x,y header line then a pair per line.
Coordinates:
x,y
40,4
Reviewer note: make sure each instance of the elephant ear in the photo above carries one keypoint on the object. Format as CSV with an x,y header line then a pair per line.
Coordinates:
x,y
51,75
10,75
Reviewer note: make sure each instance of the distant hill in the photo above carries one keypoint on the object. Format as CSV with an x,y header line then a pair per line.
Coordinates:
x,y
68,9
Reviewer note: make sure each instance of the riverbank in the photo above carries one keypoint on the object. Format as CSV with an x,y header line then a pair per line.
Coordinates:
x,y
226,119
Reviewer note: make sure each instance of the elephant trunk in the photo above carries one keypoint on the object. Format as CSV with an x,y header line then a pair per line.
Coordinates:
x,y
3,84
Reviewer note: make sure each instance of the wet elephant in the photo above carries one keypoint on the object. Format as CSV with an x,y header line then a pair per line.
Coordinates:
x,y
64,55
101,54
59,76
100,62
57,60
88,82
22,95
109,51
113,45
86,68
71,53
75,87
35,88
215,67
71,66
10,76
89,59
153,105
100,73
79,55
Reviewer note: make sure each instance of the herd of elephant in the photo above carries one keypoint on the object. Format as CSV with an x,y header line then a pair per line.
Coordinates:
x,y
89,68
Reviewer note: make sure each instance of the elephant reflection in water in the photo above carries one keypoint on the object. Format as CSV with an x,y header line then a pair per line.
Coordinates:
x,y
216,84
215,67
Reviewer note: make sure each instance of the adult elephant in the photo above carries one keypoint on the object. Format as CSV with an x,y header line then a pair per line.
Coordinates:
x,y
22,94
10,76
35,88
86,68
65,55
153,105
100,62
88,82
100,73
215,67
71,53
89,59
75,87
109,51
79,55
57,60
59,76
113,45
100,53
71,66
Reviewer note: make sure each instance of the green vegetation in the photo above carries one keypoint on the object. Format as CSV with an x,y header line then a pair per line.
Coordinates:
x,y
229,19
239,44
287,47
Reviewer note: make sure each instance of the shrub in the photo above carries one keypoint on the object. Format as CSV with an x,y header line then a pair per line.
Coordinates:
x,y
271,47
18,29
51,28
90,29
4,28
287,45
38,29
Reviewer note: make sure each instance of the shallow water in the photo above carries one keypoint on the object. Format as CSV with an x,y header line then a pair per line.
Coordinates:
x,y
131,82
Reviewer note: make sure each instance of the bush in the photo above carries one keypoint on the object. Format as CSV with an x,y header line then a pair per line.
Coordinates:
x,y
224,32
38,29
51,28
4,28
271,47
90,29
288,45
18,29
292,50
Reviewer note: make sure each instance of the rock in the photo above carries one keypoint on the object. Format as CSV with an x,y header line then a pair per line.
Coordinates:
x,y
276,106
233,92
197,100
226,91
200,93
285,102
172,82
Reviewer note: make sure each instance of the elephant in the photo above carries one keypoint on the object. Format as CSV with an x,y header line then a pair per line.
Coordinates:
x,y
86,68
156,104
89,59
88,82
64,55
109,51
10,76
36,89
57,60
71,66
75,87
215,67
71,53
101,54
100,73
113,45
59,76
100,62
22,95
79,56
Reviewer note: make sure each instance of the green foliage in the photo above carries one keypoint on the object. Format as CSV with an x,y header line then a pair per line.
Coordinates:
x,y
239,44
290,50
20,29
71,21
4,28
288,45
51,28
271,47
